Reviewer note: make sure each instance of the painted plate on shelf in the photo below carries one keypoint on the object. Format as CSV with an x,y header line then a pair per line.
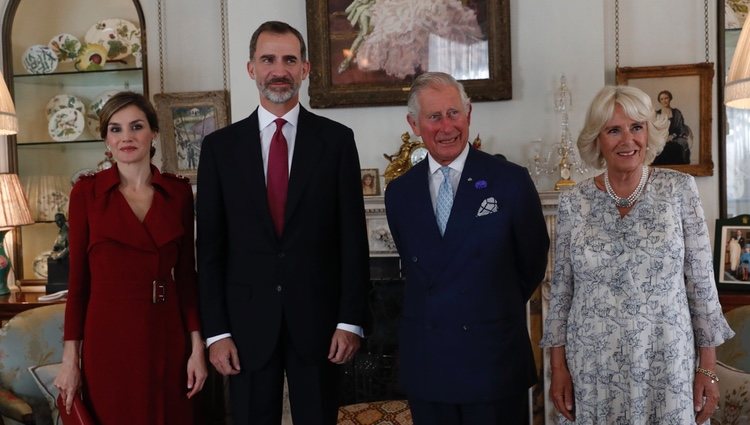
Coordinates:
x,y
66,46
64,101
40,264
120,37
65,125
98,103
92,122
92,57
39,59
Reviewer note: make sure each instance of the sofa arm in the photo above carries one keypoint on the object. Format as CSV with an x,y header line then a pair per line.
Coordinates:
x,y
14,408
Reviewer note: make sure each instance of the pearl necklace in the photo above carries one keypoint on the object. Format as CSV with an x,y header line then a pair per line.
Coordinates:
x,y
630,200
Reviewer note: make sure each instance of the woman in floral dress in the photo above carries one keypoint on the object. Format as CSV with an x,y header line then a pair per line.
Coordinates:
x,y
634,316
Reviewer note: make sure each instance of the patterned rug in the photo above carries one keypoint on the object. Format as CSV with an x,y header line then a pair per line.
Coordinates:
x,y
388,412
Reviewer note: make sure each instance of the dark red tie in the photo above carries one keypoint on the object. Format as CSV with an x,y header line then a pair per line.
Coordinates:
x,y
277,179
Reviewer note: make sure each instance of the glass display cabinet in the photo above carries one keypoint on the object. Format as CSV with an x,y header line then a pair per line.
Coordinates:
x,y
61,62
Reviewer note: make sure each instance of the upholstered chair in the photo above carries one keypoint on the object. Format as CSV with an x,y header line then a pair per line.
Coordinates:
x,y
31,338
733,369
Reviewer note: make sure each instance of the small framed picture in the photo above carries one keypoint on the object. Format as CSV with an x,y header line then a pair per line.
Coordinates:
x,y
185,119
732,253
370,181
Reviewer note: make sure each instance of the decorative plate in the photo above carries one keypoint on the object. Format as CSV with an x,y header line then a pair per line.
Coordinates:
x,y
64,101
40,264
92,122
98,103
39,59
91,58
66,47
65,125
120,37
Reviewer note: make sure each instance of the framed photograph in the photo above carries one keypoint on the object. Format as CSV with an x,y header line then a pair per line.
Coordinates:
x,y
370,181
367,52
185,119
732,253
683,92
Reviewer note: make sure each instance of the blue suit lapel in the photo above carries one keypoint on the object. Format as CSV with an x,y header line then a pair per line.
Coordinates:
x,y
465,203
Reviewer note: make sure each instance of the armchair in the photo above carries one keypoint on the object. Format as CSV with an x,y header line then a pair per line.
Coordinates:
x,y
31,338
733,369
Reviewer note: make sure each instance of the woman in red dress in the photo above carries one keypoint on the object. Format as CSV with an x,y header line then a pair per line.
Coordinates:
x,y
132,344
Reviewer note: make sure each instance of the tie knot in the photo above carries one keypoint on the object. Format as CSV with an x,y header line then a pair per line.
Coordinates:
x,y
279,123
446,171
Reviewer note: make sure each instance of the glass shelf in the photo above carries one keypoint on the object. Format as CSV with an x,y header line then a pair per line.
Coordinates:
x,y
52,142
87,73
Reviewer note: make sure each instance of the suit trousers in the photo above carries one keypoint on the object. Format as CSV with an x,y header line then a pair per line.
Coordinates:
x,y
506,411
256,396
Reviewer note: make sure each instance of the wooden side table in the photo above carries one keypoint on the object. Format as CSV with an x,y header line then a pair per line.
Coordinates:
x,y
16,302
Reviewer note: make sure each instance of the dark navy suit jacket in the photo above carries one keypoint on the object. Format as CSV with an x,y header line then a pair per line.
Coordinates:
x,y
463,335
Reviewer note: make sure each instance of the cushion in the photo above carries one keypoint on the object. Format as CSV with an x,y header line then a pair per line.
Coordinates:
x,y
13,407
44,376
388,412
734,404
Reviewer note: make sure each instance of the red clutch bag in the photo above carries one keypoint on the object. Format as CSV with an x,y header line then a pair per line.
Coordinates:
x,y
79,415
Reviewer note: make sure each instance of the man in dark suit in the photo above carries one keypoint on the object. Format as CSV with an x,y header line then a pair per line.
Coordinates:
x,y
282,245
473,244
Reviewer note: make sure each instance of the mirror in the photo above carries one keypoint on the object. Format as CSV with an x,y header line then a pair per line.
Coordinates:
x,y
734,124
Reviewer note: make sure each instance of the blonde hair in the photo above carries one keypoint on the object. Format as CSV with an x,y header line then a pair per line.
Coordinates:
x,y
637,106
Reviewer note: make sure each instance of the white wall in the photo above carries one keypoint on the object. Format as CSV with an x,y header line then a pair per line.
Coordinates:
x,y
548,38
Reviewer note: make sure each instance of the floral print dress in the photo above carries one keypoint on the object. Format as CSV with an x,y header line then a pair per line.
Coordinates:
x,y
631,298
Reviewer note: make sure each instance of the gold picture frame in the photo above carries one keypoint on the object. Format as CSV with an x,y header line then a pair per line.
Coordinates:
x,y
185,119
690,86
332,37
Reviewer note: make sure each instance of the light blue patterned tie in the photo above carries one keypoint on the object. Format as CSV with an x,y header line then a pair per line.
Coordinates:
x,y
444,200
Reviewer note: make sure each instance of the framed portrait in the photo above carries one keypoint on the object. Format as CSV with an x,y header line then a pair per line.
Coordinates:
x,y
370,181
683,92
732,253
367,52
185,119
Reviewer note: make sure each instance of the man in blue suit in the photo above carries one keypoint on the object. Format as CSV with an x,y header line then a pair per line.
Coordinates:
x,y
473,245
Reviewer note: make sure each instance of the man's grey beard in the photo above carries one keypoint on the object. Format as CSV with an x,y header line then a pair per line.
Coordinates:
x,y
279,97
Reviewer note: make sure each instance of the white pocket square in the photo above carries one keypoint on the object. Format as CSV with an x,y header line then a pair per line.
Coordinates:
x,y
489,206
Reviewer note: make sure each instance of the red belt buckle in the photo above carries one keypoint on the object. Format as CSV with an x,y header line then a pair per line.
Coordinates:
x,y
159,292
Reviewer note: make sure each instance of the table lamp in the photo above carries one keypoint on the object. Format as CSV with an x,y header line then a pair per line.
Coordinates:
x,y
14,212
737,85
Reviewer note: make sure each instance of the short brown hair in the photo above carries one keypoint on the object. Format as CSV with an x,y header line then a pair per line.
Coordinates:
x,y
277,27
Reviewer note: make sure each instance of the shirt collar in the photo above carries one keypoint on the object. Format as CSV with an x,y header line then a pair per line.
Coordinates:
x,y
457,164
265,118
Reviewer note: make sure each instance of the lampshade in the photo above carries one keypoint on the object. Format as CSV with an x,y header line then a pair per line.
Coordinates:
x,y
14,210
48,195
8,119
737,85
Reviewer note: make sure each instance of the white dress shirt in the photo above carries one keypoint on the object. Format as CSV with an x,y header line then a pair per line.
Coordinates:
x,y
436,176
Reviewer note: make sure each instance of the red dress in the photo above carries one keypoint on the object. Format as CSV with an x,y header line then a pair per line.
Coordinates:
x,y
135,344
